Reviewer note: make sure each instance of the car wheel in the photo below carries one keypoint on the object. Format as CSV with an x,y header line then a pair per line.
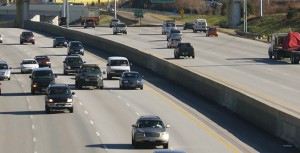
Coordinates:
x,y
109,77
76,84
166,146
49,66
65,72
71,110
132,142
142,87
47,109
9,78
33,43
193,56
33,92
21,42
126,33
54,46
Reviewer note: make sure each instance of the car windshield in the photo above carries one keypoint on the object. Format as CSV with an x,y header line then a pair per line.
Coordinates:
x,y
42,75
94,70
29,62
27,34
150,124
3,66
131,75
60,39
41,57
73,60
121,25
184,45
76,45
176,40
170,24
59,91
119,63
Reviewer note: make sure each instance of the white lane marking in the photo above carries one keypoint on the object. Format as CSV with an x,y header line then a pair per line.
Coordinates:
x,y
86,112
127,104
31,116
171,148
27,98
119,97
34,139
98,134
29,107
92,122
32,126
35,151
80,104
75,95
137,113
286,74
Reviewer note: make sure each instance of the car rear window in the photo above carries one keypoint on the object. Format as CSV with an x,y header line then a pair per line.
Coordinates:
x,y
42,75
3,66
74,60
119,63
58,91
29,62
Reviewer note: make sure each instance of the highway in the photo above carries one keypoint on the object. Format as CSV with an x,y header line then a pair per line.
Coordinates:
x,y
102,119
237,62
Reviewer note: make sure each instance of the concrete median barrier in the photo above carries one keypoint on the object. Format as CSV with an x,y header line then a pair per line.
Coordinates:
x,y
259,111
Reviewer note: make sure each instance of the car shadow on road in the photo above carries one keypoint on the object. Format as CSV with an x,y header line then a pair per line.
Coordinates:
x,y
119,146
151,34
57,55
14,94
36,112
157,40
12,44
259,60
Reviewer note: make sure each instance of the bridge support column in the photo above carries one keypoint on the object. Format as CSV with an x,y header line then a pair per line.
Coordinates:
x,y
234,12
22,9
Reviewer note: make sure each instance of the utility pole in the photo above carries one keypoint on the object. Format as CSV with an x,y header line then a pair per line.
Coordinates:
x,y
261,8
245,17
115,9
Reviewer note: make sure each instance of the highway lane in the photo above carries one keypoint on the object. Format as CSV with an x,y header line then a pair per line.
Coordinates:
x,y
102,119
238,62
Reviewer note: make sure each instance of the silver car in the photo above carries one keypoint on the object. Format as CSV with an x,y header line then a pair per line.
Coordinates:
x,y
120,28
27,65
150,130
4,71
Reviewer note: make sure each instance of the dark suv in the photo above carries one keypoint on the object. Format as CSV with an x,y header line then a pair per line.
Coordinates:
x,y
89,23
184,49
150,129
72,64
27,37
40,79
75,47
58,97
89,75
60,41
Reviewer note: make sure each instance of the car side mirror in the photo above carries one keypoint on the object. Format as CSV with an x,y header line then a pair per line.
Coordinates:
x,y
10,68
168,126
64,61
107,65
55,75
134,125
73,93
104,72
30,76
84,62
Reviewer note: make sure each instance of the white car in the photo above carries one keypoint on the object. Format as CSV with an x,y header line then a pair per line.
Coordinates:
x,y
4,71
1,38
116,66
27,65
120,28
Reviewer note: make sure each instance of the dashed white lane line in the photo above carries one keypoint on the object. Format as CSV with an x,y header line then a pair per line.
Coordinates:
x,y
75,95
34,139
86,112
32,126
119,97
92,122
31,116
171,148
80,104
98,134
29,107
128,104
137,113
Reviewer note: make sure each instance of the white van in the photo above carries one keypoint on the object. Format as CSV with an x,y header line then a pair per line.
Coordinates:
x,y
116,65
200,25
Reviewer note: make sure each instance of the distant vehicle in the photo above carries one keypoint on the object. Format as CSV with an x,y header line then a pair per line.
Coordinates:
x,y
120,28
27,37
188,25
184,49
173,31
168,151
116,66
113,22
173,42
90,13
200,25
27,65
167,26
89,23
72,64
0,89
285,45
1,38
75,47
212,31
131,80
58,97
89,75
40,79
60,41
151,130
43,61
4,70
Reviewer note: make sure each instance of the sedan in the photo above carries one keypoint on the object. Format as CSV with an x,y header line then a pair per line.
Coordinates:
x,y
43,60
131,80
27,65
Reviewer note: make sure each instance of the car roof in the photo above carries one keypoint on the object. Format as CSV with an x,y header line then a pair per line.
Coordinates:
x,y
131,72
58,85
168,151
149,117
90,65
42,69
117,58
29,59
73,56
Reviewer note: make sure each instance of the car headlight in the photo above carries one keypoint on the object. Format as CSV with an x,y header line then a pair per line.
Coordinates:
x,y
34,85
50,100
68,67
48,62
139,134
69,100
81,50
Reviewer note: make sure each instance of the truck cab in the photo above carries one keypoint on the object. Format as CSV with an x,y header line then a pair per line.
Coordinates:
x,y
276,42
200,25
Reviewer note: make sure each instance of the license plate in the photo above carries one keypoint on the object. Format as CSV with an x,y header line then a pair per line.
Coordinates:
x,y
152,140
60,105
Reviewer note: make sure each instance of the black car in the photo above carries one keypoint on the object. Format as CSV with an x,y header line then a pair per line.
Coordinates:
x,y
75,47
60,41
184,49
89,75
40,79
43,60
27,37
89,23
72,64
58,97
131,80
188,25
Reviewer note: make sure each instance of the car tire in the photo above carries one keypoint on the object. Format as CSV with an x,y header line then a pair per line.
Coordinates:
x,y
109,77
142,87
76,84
166,146
193,56
33,43
47,109
132,142
54,46
33,92
65,72
21,42
8,78
71,110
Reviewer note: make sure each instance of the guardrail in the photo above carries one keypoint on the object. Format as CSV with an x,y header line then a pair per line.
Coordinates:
x,y
260,112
